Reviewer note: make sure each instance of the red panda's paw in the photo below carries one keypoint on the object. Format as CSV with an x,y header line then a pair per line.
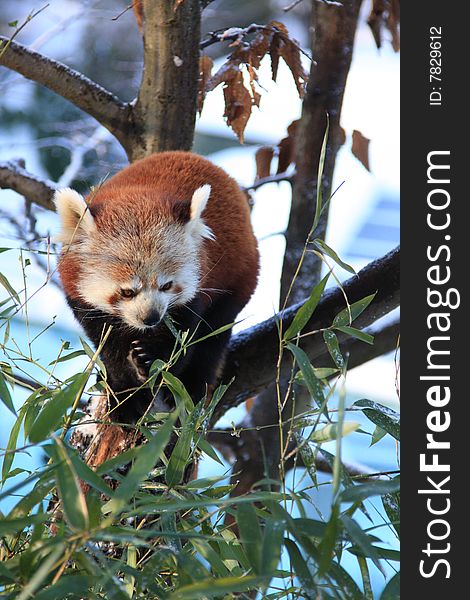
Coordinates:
x,y
140,359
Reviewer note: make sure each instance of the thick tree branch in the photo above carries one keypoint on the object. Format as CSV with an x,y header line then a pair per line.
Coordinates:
x,y
165,112
87,95
14,176
252,355
259,433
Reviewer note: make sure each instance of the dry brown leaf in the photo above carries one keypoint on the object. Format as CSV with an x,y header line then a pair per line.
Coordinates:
x,y
341,136
287,148
393,21
205,68
263,158
385,13
289,50
238,103
360,148
272,39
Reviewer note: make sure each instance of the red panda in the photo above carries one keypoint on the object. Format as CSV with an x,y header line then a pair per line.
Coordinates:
x,y
169,234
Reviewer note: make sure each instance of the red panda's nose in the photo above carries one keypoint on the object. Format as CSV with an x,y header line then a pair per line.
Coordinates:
x,y
152,319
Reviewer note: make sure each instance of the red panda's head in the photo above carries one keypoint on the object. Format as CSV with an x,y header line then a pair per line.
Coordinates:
x,y
136,259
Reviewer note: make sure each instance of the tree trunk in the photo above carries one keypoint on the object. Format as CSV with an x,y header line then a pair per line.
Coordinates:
x,y
165,112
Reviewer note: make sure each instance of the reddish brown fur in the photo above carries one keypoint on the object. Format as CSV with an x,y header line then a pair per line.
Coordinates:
x,y
230,262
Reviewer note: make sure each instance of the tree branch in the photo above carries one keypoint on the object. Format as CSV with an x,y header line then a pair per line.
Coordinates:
x,y
87,95
260,430
333,29
253,354
14,176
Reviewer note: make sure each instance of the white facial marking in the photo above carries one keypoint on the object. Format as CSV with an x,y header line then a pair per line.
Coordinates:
x,y
96,289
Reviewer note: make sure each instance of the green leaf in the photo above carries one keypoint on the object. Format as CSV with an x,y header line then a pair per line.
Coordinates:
x,y
250,534
356,333
11,446
332,344
182,451
391,504
42,572
392,589
327,545
78,585
205,447
272,545
301,570
380,415
146,459
6,284
377,435
88,475
332,254
70,491
359,538
5,395
51,415
345,582
178,390
321,166
348,315
313,384
330,432
67,357
385,553
217,587
311,527
360,492
10,526
6,576
306,311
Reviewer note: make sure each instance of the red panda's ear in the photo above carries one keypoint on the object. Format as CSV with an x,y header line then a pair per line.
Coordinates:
x,y
199,201
75,216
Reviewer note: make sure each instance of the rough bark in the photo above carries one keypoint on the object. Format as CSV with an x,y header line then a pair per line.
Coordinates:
x,y
165,111
333,28
14,176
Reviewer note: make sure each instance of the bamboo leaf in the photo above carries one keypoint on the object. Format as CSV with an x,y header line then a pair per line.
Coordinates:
x,y
392,589
360,492
332,254
311,381
356,333
5,395
51,415
250,534
301,570
145,460
386,418
348,315
306,311
332,345
70,491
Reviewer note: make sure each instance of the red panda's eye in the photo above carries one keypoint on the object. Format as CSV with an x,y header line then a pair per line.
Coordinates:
x,y
127,293
166,286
